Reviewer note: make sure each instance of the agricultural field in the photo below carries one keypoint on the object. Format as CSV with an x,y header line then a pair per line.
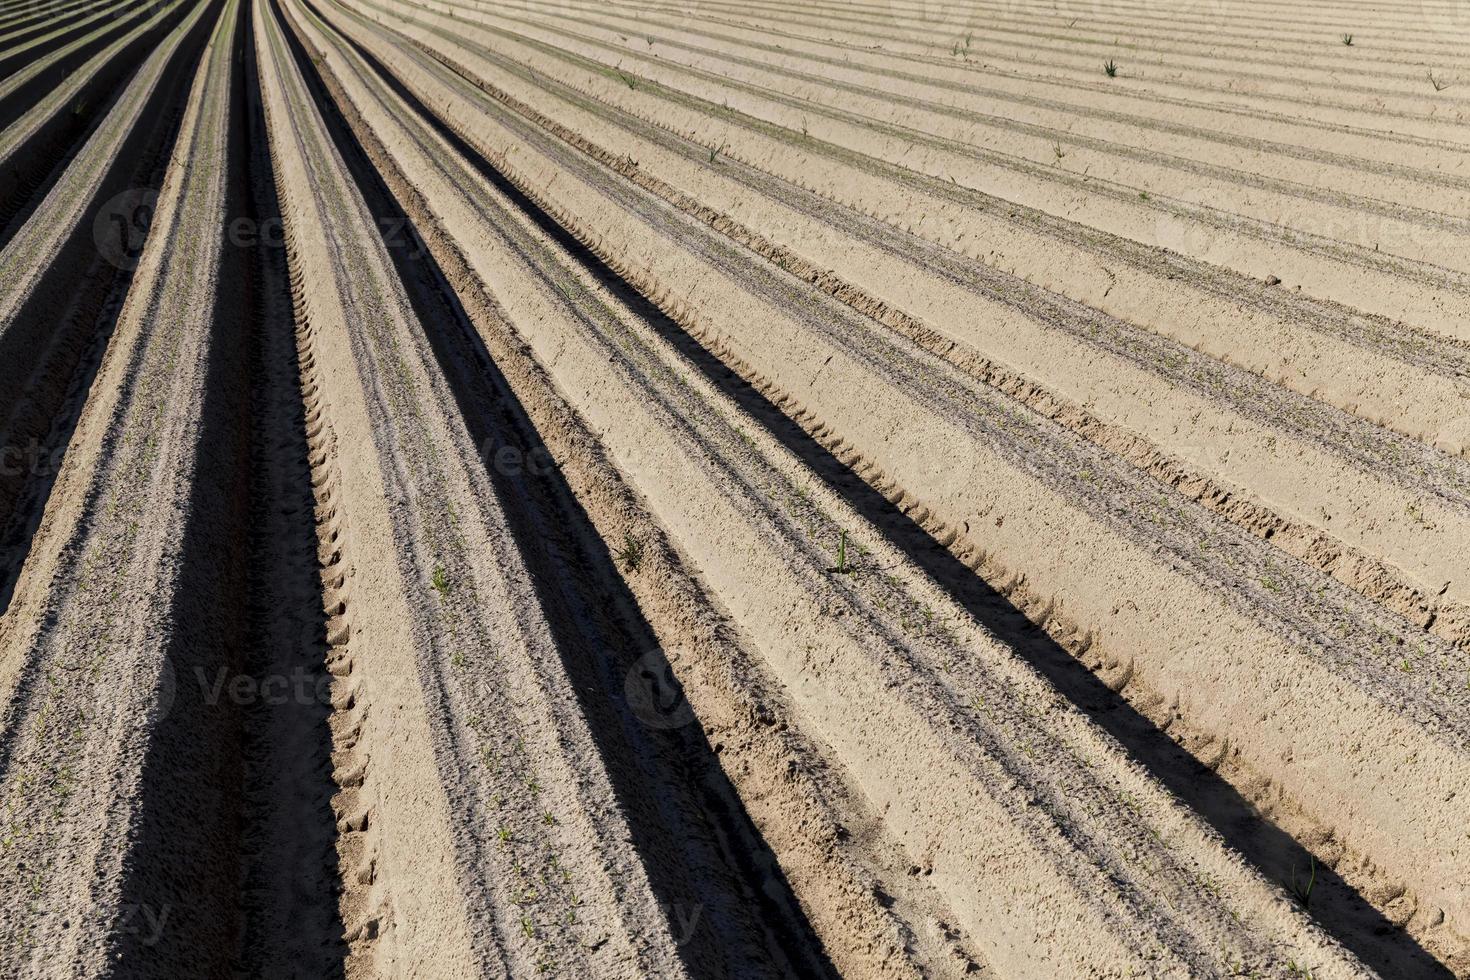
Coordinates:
x,y
734,488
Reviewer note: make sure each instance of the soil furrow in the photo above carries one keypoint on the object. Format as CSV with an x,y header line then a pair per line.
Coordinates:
x,y
33,16
1442,355
1223,222
1284,91
911,374
1218,21
35,147
1141,37
543,518
788,301
1140,100
109,761
734,703
539,845
26,87
1143,60
298,745
18,50
651,381
856,80
1171,125
89,230
1173,362
879,488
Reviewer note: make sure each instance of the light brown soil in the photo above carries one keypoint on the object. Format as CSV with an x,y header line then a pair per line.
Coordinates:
x,y
734,489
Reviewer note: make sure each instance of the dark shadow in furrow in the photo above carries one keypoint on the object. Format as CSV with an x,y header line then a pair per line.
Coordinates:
x,y
290,869
1336,906
35,15
52,352
1334,903
23,28
31,16
183,855
9,66
15,104
723,891
36,165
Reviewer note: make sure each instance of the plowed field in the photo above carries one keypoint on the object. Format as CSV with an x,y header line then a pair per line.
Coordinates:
x,y
866,488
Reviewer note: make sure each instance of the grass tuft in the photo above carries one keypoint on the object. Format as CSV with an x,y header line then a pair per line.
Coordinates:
x,y
630,555
629,80
1347,39
1301,889
1110,68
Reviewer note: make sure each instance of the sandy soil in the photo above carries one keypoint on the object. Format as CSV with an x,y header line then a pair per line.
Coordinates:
x,y
734,489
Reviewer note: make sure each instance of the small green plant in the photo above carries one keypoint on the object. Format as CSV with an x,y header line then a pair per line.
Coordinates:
x,y
1301,889
627,79
1143,195
843,568
504,834
630,556
1058,152
1439,83
441,582
1347,40
1110,68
